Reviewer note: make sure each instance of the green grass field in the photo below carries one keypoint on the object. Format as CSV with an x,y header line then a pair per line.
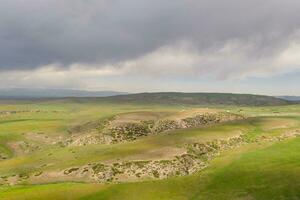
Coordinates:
x,y
266,169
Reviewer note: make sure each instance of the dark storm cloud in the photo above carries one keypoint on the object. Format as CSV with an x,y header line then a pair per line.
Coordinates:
x,y
34,33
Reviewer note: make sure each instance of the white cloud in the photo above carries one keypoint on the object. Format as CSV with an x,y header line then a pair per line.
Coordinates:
x,y
234,60
76,76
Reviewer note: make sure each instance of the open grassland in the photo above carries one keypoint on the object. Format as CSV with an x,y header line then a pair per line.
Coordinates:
x,y
258,170
255,172
56,118
265,171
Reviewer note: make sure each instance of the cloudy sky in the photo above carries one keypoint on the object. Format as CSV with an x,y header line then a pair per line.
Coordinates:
x,y
249,46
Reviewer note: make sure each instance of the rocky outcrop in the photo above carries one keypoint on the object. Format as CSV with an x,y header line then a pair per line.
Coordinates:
x,y
206,119
166,125
107,132
179,166
132,131
197,157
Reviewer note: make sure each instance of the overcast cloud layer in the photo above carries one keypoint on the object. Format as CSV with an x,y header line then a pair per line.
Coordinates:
x,y
230,39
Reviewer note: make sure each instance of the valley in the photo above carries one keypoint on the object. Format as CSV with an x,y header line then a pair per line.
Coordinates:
x,y
107,150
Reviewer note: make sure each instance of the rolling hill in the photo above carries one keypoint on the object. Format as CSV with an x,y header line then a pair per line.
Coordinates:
x,y
163,98
54,149
199,99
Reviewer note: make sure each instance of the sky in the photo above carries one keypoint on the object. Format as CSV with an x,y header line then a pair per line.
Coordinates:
x,y
248,46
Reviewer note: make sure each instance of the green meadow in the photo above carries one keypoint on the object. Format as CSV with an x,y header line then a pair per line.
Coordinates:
x,y
266,169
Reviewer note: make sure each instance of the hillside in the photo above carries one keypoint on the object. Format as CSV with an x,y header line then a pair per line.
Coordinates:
x,y
58,149
146,98
162,98
199,99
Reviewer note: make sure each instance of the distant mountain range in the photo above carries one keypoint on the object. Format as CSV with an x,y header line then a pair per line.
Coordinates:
x,y
53,93
149,98
290,98
199,99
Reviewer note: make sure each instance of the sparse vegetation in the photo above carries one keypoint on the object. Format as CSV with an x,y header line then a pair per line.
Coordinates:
x,y
221,152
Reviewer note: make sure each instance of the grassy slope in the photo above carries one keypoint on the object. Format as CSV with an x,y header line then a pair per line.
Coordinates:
x,y
252,172
140,149
54,118
231,164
